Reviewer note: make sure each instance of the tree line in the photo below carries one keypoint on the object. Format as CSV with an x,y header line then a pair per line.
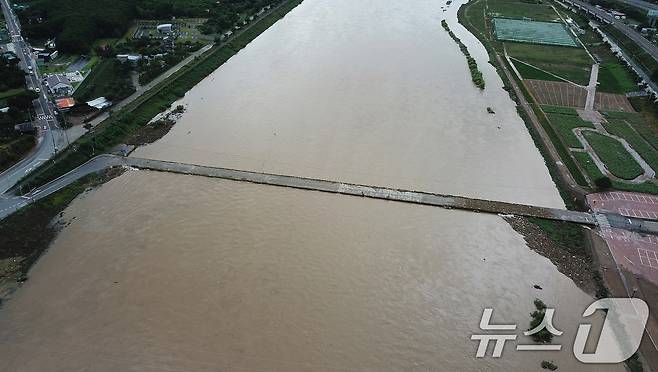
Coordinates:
x,y
75,24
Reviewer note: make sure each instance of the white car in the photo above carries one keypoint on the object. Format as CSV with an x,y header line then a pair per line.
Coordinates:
x,y
38,90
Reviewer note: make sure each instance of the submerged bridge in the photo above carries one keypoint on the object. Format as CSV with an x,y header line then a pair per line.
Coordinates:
x,y
10,203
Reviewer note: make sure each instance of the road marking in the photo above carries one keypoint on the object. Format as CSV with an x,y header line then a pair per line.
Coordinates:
x,y
648,258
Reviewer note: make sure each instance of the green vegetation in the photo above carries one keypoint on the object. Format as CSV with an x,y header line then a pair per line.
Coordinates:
x,y
615,78
472,16
476,74
638,54
110,79
529,72
13,144
565,125
637,122
559,110
134,116
11,93
14,150
573,64
11,75
568,236
613,154
621,128
76,24
588,165
590,168
603,183
634,364
548,365
543,336
521,10
149,70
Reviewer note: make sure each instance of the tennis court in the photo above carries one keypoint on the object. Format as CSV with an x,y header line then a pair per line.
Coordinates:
x,y
534,32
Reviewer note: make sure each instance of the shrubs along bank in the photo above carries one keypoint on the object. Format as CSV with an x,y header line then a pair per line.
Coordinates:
x,y
476,74
122,125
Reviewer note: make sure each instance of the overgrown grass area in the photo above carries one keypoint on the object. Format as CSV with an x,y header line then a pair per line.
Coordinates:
x,y
621,128
638,123
613,154
521,10
573,64
529,72
645,60
563,152
559,110
593,171
110,79
615,78
565,123
14,150
473,13
569,236
137,114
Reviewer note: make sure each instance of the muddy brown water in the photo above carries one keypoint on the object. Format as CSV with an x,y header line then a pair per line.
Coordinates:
x,y
169,272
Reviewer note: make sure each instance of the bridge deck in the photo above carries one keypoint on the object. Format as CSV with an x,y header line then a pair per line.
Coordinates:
x,y
406,196
10,203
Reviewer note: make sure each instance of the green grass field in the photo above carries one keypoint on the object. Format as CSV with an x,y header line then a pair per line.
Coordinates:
x,y
614,78
565,124
558,110
637,122
517,9
529,72
474,15
613,154
622,129
573,64
593,171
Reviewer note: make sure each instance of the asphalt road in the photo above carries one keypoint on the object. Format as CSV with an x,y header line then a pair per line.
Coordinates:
x,y
51,137
640,4
645,44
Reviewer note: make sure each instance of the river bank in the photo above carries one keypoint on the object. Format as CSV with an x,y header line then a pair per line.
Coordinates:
x,y
27,234
283,279
121,125
590,270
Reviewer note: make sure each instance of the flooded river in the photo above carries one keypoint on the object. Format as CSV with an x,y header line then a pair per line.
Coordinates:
x,y
168,272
